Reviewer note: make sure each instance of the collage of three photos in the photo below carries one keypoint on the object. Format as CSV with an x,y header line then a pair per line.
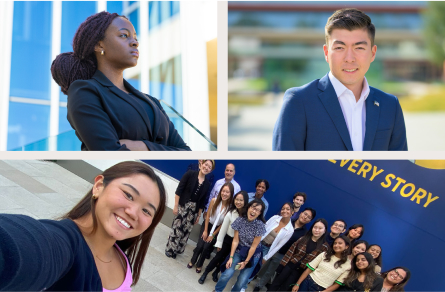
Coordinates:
x,y
242,87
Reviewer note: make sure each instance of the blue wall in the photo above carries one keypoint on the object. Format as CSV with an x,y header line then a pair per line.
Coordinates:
x,y
410,234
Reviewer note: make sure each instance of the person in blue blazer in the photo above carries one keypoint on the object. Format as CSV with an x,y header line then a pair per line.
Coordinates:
x,y
106,112
341,111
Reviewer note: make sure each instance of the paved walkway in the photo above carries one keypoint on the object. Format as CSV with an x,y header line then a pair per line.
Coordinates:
x,y
45,190
252,126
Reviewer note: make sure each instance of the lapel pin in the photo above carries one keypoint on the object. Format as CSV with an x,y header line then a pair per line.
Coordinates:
x,y
376,103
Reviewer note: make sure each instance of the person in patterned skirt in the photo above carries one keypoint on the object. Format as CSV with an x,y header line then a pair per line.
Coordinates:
x,y
190,199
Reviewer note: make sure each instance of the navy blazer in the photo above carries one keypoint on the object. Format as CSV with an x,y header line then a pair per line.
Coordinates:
x,y
311,119
101,114
49,255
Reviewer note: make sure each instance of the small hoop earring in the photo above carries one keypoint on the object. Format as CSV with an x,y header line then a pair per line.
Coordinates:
x,y
102,52
94,197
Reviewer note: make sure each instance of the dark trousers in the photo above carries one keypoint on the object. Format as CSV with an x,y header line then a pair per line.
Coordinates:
x,y
221,255
200,251
288,276
309,285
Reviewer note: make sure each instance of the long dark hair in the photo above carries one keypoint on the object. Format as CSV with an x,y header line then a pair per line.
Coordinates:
x,y
355,272
377,260
344,254
304,240
357,242
355,226
135,247
82,63
219,198
254,203
246,201
399,286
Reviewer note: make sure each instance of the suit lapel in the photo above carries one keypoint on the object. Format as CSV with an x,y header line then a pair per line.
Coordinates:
x,y
372,119
330,101
154,129
101,78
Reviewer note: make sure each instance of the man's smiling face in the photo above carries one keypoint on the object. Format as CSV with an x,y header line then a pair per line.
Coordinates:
x,y
349,54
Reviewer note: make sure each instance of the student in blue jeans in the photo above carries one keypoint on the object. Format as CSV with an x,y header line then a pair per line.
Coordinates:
x,y
246,247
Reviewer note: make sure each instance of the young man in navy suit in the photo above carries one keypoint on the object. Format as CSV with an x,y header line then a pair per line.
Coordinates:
x,y
341,111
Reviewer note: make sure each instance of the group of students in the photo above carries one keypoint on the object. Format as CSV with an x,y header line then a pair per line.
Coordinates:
x,y
281,251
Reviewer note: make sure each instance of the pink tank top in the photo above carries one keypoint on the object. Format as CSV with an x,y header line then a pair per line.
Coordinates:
x,y
126,285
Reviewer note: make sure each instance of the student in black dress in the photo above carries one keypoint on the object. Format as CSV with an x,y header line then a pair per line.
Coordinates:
x,y
395,279
362,276
190,200
87,249
106,112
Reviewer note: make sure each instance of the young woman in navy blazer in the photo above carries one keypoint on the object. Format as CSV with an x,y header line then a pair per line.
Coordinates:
x,y
106,112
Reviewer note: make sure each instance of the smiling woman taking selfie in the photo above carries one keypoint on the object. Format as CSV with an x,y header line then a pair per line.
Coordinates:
x,y
106,112
87,249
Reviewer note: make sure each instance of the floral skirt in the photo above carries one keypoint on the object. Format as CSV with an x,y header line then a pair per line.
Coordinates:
x,y
182,226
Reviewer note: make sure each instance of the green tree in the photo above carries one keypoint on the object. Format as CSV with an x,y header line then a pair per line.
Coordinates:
x,y
434,32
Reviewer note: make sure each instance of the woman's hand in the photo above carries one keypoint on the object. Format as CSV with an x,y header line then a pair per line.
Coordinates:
x,y
229,263
175,210
134,145
218,249
264,261
209,238
204,236
295,288
197,218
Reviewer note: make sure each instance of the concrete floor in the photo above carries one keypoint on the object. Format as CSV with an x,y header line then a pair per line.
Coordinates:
x,y
45,190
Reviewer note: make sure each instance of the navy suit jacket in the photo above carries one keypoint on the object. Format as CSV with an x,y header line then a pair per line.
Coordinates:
x,y
311,119
101,114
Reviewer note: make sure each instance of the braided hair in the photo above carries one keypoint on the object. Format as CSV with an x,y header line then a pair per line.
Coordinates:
x,y
82,62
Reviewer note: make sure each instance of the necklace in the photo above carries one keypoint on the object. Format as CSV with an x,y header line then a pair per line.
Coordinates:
x,y
104,261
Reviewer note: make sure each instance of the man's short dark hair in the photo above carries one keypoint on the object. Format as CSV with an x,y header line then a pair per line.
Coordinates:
x,y
301,194
264,181
350,19
314,213
341,220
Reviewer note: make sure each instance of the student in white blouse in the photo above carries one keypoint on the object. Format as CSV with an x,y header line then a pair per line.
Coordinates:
x,y
218,208
279,230
225,235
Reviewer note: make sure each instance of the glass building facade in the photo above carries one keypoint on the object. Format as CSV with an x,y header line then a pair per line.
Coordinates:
x,y
43,29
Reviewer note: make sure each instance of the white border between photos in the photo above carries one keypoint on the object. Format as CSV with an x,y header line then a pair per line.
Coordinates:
x,y
222,153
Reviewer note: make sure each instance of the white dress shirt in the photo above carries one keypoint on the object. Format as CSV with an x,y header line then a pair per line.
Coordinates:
x,y
354,111
283,236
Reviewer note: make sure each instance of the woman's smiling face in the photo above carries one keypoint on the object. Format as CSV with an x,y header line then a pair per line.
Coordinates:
x,y
239,201
225,193
358,249
125,208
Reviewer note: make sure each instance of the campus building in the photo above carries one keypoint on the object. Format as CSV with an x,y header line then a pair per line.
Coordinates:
x,y
282,41
176,65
